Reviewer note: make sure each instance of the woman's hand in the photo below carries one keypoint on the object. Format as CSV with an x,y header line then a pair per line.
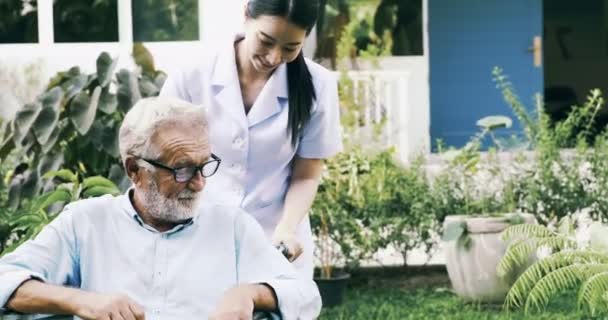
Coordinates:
x,y
289,241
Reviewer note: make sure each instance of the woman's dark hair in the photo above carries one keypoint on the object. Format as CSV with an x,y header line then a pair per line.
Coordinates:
x,y
302,13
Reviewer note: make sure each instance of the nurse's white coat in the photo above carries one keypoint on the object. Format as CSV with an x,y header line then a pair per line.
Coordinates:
x,y
255,148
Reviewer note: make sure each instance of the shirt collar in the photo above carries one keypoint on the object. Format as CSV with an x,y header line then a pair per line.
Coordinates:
x,y
129,209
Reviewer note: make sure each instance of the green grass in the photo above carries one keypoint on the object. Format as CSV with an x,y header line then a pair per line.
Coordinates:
x,y
376,297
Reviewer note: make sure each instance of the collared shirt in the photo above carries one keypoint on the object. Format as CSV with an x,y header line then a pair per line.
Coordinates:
x,y
255,148
102,245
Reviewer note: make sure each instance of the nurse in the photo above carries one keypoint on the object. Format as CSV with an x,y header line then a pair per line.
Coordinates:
x,y
273,117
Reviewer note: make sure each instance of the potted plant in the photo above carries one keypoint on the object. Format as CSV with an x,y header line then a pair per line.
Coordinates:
x,y
340,235
331,282
478,203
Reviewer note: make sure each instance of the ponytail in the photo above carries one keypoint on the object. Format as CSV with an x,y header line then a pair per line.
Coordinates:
x,y
301,95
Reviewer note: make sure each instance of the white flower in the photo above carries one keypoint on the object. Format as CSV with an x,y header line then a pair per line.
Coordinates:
x,y
543,252
582,235
584,171
583,217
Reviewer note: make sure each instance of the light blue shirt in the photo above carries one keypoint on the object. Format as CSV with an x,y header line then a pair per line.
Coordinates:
x,y
102,245
255,148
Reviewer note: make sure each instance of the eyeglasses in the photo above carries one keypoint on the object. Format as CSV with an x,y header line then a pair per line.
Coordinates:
x,y
185,174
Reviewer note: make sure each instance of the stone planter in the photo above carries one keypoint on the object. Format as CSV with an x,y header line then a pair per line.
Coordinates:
x,y
472,270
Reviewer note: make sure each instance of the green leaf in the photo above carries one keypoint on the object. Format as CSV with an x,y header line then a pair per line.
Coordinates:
x,y
160,78
454,230
24,120
97,181
83,110
74,85
495,122
51,99
14,191
128,89
47,119
59,195
515,219
591,294
104,137
100,191
49,162
465,241
52,140
519,252
148,88
105,68
45,124
7,147
558,281
525,230
31,185
519,291
119,177
143,58
107,102
64,174
110,141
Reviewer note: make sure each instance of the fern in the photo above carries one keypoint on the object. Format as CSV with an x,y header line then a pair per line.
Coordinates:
x,y
526,231
519,252
521,288
558,281
591,294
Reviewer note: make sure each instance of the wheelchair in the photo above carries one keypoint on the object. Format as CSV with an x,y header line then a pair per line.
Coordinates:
x,y
258,315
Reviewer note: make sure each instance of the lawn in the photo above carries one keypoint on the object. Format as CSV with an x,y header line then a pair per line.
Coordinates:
x,y
425,294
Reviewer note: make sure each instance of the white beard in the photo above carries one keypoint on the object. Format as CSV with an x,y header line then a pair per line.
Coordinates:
x,y
170,210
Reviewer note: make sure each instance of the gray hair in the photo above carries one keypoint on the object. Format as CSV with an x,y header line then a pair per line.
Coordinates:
x,y
148,115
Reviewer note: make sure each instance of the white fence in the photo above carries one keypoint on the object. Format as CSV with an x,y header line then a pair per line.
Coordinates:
x,y
384,117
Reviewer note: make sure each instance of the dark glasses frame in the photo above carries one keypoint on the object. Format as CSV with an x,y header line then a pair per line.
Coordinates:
x,y
188,171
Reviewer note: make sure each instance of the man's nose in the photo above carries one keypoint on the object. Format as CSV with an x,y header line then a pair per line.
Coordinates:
x,y
197,183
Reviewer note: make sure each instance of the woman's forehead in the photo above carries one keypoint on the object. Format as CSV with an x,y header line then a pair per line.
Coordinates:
x,y
279,29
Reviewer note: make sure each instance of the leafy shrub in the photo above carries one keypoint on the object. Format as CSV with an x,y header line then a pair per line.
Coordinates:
x,y
75,123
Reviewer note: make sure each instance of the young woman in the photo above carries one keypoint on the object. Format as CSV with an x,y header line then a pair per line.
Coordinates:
x,y
273,117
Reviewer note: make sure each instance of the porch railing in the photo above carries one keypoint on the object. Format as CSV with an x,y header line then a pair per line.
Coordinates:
x,y
381,108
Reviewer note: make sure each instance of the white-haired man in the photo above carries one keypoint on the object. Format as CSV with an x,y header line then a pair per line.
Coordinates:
x,y
156,252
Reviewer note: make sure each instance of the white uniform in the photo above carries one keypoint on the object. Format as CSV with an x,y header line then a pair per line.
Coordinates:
x,y
255,148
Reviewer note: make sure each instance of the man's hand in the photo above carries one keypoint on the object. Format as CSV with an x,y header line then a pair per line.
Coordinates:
x,y
93,306
236,304
34,296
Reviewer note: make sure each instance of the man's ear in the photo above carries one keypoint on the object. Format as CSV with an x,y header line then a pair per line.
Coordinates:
x,y
133,170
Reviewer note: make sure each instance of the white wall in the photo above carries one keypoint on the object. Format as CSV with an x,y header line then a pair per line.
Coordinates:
x,y
218,21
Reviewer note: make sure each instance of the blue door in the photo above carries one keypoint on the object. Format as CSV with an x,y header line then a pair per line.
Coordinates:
x,y
467,38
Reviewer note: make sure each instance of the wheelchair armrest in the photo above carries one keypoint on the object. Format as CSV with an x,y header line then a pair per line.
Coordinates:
x,y
8,315
265,315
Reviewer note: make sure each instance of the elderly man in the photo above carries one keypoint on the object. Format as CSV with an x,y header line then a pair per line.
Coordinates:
x,y
156,252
